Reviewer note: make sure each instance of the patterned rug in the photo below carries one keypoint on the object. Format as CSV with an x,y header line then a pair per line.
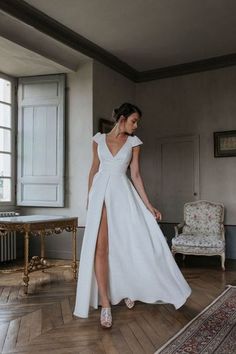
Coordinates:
x,y
212,331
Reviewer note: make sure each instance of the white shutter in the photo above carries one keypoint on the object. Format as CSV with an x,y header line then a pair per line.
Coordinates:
x,y
40,162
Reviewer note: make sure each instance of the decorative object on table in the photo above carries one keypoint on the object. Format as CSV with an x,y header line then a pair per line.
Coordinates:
x,y
225,143
212,331
202,230
105,125
18,265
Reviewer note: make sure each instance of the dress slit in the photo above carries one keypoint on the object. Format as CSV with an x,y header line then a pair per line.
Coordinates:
x,y
107,228
94,295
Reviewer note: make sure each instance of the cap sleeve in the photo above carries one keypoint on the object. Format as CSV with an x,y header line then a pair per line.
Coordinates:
x,y
136,141
97,137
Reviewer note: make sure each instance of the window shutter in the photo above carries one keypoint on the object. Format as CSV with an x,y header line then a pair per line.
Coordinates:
x,y
40,158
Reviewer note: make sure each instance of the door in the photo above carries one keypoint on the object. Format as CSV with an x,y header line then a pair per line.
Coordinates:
x,y
178,177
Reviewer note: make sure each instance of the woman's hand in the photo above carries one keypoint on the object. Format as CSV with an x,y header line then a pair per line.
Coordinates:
x,y
156,213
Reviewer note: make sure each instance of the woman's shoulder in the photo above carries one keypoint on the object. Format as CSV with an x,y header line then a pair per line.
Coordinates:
x,y
135,141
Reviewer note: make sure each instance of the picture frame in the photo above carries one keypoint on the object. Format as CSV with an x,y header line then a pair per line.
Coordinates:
x,y
225,143
105,125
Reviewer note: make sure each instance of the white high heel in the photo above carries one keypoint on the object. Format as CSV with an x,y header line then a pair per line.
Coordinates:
x,y
106,317
129,303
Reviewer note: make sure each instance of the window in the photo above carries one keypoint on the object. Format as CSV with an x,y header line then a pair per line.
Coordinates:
x,y
40,141
7,141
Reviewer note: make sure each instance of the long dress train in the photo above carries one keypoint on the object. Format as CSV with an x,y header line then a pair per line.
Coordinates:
x,y
140,264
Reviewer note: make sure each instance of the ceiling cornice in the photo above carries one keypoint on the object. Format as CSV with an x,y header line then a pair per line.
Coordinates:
x,y
29,15
188,68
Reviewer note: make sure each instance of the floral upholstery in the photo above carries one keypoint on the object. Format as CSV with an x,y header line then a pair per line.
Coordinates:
x,y
202,230
198,241
203,218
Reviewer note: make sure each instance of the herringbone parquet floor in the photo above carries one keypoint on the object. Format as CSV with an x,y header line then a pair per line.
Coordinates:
x,y
42,322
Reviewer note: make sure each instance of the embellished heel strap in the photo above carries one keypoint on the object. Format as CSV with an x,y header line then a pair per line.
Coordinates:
x,y
106,317
129,303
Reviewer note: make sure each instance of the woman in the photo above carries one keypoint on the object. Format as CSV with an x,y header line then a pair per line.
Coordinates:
x,y
124,253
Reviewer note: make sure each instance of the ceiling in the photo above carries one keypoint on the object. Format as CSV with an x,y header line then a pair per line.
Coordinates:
x,y
150,34
141,39
17,61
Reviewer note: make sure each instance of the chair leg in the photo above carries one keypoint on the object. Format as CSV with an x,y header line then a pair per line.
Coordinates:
x,y
223,261
184,256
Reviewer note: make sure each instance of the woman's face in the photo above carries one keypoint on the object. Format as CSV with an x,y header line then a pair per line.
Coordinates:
x,y
131,123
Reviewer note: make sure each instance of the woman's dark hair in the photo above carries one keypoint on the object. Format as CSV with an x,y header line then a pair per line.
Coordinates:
x,y
126,109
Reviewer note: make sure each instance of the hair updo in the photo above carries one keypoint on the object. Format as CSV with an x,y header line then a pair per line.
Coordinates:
x,y
126,109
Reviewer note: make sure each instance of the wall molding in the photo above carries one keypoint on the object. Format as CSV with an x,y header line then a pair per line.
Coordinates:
x,y
31,16
188,68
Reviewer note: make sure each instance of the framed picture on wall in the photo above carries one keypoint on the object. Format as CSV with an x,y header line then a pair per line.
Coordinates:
x,y
105,125
225,143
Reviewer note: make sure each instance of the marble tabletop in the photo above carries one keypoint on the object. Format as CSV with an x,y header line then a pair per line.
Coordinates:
x,y
34,218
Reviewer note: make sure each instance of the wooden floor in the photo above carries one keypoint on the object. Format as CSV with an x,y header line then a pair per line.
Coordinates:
x,y
42,322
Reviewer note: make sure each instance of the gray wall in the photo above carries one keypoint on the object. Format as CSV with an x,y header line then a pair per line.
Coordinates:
x,y
110,89
194,104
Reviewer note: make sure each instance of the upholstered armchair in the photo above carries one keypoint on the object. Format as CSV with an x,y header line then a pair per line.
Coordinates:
x,y
202,232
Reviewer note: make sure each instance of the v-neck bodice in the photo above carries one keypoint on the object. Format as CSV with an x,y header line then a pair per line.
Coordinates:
x,y
118,163
105,139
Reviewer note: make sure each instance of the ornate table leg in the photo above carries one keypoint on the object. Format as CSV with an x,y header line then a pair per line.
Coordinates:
x,y
74,262
26,270
42,249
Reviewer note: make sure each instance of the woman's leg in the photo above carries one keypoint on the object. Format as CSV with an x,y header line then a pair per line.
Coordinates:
x,y
101,259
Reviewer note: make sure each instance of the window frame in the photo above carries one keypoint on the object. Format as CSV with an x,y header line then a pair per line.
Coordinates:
x,y
13,130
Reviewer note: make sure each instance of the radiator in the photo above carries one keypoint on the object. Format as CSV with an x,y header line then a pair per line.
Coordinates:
x,y
8,241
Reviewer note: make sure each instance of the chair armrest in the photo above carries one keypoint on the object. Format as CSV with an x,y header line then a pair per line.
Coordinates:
x,y
178,228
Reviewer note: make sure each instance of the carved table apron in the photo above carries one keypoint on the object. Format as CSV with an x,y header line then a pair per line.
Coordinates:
x,y
39,225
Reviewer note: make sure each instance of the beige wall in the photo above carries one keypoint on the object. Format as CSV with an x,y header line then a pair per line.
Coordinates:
x,y
193,104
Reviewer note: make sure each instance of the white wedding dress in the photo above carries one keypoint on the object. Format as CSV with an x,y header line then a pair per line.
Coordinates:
x,y
141,265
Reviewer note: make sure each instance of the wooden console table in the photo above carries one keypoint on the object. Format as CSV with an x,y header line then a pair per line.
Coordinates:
x,y
40,225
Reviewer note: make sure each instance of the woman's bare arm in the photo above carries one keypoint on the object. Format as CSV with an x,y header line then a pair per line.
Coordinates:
x,y
138,182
